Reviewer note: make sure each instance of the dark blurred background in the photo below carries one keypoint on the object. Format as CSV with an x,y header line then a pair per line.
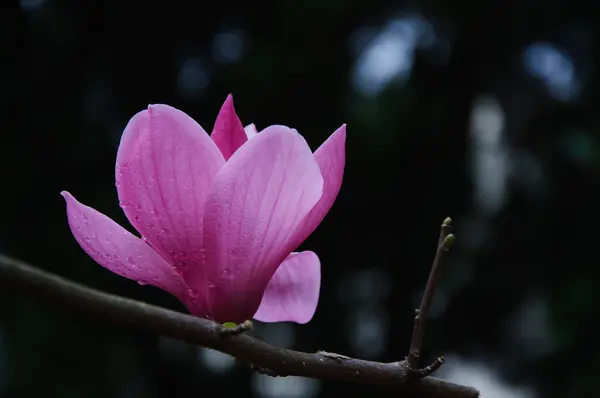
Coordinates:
x,y
485,111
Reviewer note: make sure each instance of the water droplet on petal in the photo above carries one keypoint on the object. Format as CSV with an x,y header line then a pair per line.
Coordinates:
x,y
142,283
183,254
150,225
210,284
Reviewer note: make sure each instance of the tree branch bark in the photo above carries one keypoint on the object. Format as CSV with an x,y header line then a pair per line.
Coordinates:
x,y
445,242
25,279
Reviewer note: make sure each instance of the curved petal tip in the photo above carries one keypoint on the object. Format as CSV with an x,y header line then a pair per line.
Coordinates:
x,y
331,158
293,292
251,130
119,251
228,132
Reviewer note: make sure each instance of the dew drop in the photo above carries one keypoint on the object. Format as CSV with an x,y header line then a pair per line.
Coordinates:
x,y
210,284
142,283
150,225
165,231
130,260
192,293
117,184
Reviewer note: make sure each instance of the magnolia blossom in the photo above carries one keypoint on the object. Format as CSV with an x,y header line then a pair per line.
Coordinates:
x,y
219,215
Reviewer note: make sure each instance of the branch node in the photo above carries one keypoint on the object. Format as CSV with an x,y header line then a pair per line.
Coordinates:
x,y
428,370
448,241
231,329
446,228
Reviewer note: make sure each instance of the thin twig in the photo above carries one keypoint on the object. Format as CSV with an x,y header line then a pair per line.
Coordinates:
x,y
427,370
445,242
25,279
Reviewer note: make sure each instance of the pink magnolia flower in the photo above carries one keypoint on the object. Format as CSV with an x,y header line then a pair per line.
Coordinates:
x,y
219,215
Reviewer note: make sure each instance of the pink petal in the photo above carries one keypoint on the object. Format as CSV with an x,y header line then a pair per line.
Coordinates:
x,y
331,157
251,131
292,294
165,166
257,202
117,250
228,132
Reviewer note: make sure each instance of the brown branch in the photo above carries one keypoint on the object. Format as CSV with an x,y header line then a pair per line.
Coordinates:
x,y
445,242
269,359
